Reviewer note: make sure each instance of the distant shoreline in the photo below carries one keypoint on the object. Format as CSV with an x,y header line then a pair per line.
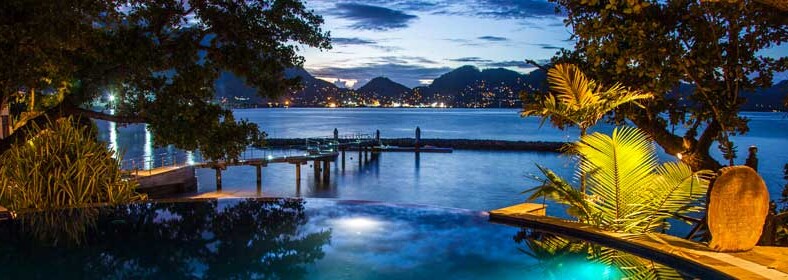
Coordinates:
x,y
433,108
460,144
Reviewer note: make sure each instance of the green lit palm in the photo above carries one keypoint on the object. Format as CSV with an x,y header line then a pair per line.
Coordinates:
x,y
577,100
629,191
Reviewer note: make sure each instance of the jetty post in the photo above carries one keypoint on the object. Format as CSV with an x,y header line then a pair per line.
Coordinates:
x,y
259,168
377,137
218,178
418,138
343,158
336,135
316,166
326,171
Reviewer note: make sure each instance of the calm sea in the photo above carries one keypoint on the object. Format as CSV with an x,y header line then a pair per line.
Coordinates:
x,y
479,180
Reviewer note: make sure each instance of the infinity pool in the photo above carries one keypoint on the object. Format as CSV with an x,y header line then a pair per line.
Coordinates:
x,y
285,239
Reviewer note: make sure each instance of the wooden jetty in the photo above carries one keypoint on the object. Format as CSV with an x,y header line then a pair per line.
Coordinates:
x,y
176,177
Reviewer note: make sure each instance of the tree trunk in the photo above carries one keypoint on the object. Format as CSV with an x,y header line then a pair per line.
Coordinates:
x,y
694,153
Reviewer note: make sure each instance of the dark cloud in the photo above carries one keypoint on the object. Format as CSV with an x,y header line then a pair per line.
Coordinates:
x,y
548,46
510,63
370,17
516,64
406,74
470,59
493,38
352,41
514,9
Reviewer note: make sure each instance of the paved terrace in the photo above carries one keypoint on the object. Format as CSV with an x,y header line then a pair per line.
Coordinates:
x,y
760,263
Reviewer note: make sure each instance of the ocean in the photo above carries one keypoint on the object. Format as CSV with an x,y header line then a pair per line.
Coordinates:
x,y
471,179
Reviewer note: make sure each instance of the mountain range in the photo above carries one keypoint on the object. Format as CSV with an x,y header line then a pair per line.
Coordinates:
x,y
466,86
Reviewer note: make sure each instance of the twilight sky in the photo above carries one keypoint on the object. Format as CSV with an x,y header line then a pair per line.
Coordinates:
x,y
415,41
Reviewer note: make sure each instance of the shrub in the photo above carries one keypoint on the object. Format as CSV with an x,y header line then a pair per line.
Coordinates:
x,y
60,166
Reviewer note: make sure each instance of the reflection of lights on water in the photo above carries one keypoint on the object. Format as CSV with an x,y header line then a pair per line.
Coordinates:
x,y
189,157
148,149
270,157
359,224
113,138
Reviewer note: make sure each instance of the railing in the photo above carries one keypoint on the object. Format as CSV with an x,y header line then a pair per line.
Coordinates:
x,y
313,146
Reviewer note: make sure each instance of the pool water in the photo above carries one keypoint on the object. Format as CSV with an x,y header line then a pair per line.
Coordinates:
x,y
279,239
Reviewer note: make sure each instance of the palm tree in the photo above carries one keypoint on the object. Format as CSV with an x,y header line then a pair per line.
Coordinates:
x,y
579,101
628,190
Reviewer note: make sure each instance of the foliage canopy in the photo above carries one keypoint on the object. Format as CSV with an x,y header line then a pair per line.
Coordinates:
x,y
655,46
158,59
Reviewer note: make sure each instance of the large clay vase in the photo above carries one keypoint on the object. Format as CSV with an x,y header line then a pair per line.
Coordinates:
x,y
738,205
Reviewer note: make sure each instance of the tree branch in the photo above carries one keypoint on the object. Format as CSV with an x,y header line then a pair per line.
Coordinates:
x,y
74,110
532,62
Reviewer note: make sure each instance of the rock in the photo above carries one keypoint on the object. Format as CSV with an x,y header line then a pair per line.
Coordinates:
x,y
738,205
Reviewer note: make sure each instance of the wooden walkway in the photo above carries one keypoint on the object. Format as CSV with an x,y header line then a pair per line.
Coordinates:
x,y
694,258
317,150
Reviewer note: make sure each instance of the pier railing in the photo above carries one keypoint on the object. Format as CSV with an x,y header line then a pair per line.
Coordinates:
x,y
312,146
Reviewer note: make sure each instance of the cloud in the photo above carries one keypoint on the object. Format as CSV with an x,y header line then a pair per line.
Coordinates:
x,y
406,74
548,46
514,9
470,59
352,41
493,38
509,64
370,17
516,64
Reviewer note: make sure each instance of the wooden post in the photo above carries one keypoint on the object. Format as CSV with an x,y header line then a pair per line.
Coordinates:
x,y
359,155
365,154
326,171
418,138
218,178
343,159
298,172
316,166
259,178
377,137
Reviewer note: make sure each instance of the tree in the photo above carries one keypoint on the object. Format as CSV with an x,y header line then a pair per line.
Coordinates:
x,y
619,201
159,60
655,46
579,101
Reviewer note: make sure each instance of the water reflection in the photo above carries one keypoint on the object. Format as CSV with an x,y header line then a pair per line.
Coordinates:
x,y
241,239
563,258
148,149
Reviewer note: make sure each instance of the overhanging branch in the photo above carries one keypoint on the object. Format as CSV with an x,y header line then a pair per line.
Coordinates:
x,y
74,110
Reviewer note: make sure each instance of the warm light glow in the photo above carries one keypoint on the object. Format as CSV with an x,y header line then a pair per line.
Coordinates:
x,y
332,105
359,224
678,155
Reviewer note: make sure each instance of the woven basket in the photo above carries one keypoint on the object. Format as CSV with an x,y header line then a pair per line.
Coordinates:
x,y
738,205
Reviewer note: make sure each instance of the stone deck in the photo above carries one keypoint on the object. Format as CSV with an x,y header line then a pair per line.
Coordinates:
x,y
759,263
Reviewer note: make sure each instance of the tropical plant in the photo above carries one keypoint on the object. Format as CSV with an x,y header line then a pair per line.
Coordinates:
x,y
699,58
577,100
628,190
62,165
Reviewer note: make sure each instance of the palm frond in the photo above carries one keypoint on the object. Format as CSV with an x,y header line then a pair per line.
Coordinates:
x,y
557,189
673,191
616,166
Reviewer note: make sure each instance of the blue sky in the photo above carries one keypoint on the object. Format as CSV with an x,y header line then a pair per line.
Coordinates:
x,y
415,41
